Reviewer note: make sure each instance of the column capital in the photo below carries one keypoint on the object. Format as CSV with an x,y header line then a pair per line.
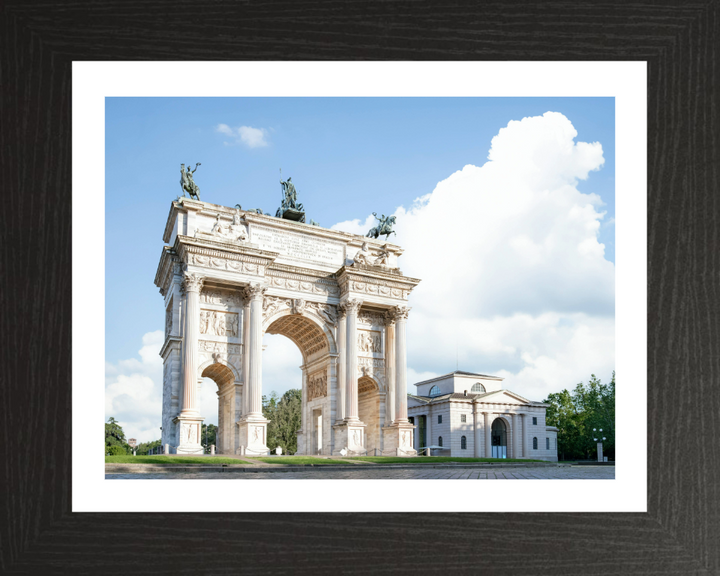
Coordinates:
x,y
342,310
400,313
389,317
192,282
254,291
352,306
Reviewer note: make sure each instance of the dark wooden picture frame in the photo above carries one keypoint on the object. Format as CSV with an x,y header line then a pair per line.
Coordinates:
x,y
680,533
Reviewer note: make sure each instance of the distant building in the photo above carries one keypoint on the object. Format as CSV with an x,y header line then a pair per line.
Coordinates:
x,y
132,442
471,415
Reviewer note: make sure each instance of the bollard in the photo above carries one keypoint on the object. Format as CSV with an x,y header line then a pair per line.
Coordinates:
x,y
212,449
167,449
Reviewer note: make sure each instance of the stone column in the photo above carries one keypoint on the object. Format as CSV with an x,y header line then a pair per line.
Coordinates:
x,y
516,436
401,314
351,412
390,368
342,362
428,429
192,284
488,437
246,352
255,293
477,432
523,418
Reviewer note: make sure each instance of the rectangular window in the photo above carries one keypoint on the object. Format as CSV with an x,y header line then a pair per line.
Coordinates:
x,y
534,420
547,443
439,418
463,417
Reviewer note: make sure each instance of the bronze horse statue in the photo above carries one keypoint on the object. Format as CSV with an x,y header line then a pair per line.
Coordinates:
x,y
384,227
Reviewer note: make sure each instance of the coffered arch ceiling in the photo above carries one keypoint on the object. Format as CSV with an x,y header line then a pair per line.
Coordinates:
x,y
307,335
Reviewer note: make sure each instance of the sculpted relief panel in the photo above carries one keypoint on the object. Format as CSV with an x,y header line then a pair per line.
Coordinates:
x,y
317,386
218,323
369,341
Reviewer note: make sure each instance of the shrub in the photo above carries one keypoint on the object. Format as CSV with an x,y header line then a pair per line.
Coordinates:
x,y
116,451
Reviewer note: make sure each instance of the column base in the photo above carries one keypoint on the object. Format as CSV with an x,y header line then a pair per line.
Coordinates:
x,y
189,428
398,440
253,437
351,436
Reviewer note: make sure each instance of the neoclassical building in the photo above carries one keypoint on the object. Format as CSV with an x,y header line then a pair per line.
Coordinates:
x,y
228,276
471,415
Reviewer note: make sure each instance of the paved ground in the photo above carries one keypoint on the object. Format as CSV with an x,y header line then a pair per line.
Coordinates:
x,y
505,473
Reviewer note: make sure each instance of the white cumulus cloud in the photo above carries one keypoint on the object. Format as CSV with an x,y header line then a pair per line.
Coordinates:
x,y
514,280
133,390
247,135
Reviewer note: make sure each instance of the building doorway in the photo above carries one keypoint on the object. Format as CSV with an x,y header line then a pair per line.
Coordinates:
x,y
499,438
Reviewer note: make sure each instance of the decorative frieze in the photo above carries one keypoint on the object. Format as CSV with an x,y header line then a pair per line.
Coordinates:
x,y
221,297
369,341
223,263
311,286
317,386
371,362
217,323
371,318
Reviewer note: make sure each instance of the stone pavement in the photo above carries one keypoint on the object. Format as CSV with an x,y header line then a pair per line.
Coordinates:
x,y
415,473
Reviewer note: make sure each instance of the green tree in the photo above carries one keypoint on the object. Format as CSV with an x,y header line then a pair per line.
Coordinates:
x,y
284,414
576,414
114,436
209,436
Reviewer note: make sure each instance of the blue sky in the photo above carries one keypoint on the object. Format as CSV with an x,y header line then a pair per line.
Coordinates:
x,y
348,157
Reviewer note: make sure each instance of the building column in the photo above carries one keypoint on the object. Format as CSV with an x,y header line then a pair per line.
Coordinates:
x,y
516,436
189,421
488,437
523,418
351,410
390,368
401,314
342,362
255,294
192,284
246,352
428,429
477,432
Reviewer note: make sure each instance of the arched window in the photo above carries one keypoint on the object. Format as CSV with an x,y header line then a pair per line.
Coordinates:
x,y
547,443
463,443
535,443
435,391
479,388
439,440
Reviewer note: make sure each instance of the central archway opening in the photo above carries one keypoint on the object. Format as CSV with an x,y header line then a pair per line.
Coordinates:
x,y
297,356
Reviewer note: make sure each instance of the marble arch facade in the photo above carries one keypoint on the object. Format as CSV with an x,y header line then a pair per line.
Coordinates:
x,y
229,276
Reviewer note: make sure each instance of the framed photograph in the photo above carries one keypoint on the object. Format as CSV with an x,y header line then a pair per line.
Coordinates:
x,y
658,515
539,278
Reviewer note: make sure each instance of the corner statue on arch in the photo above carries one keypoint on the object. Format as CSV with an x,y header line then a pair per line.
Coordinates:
x,y
229,275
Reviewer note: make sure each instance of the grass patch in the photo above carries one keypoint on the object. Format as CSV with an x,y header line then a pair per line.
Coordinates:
x,y
434,459
299,460
160,459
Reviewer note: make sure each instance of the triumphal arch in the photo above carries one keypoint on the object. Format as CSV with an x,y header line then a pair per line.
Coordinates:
x,y
228,276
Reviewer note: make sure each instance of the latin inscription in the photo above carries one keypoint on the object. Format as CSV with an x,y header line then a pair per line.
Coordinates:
x,y
298,245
